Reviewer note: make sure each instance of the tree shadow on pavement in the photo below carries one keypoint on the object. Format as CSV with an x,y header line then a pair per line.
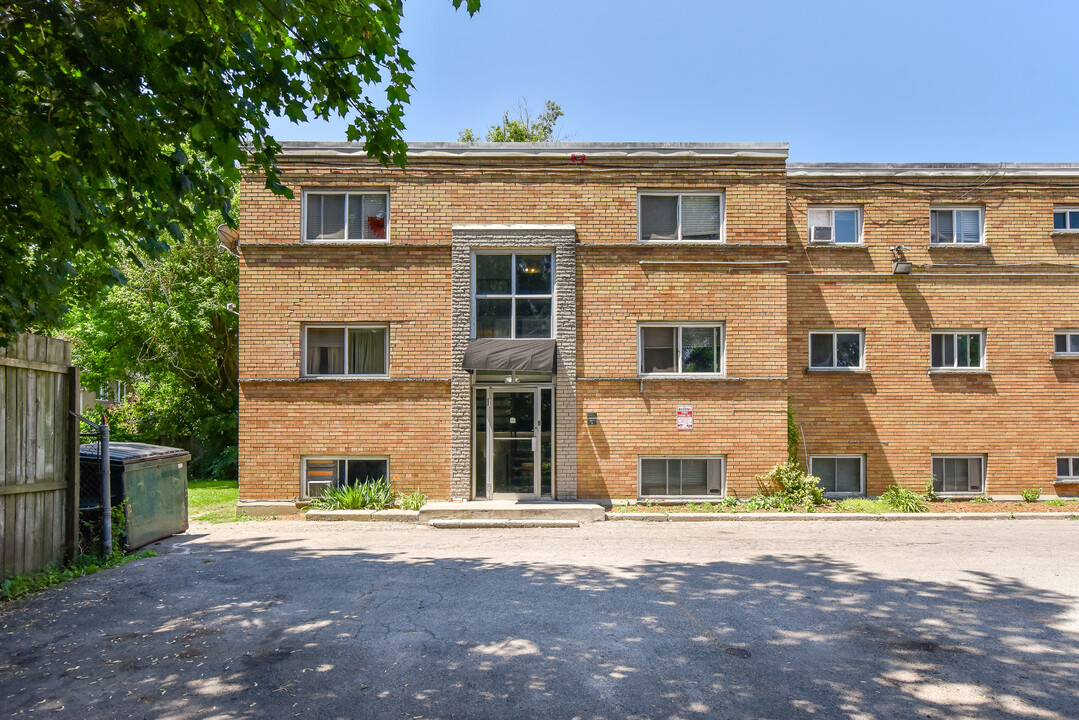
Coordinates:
x,y
257,628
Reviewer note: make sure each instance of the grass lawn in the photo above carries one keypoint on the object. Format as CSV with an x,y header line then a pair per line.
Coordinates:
x,y
212,500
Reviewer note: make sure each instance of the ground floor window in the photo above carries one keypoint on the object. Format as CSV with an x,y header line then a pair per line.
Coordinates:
x,y
1068,467
320,474
959,473
681,476
839,474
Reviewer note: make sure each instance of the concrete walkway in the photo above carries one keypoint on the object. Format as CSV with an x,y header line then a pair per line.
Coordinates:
x,y
283,619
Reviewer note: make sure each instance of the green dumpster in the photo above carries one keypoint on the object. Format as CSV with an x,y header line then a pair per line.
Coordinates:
x,y
150,481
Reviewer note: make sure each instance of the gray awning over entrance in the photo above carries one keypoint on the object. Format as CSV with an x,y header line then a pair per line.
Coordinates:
x,y
501,354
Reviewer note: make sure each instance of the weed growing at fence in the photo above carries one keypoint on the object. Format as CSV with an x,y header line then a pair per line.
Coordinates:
x,y
19,585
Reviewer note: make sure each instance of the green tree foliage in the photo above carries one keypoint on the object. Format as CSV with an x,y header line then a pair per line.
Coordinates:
x,y
168,334
100,98
523,127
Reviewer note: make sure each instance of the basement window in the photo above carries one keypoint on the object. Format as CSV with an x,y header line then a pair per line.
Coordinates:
x,y
345,216
359,350
1068,467
322,473
681,476
680,217
839,474
959,474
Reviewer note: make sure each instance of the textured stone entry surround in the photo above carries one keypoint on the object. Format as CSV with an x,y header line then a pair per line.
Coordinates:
x,y
562,239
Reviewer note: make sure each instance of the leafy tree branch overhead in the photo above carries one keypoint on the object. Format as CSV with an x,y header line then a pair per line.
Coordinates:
x,y
123,125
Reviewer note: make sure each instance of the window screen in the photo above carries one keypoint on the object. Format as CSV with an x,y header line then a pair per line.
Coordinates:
x,y
839,475
958,474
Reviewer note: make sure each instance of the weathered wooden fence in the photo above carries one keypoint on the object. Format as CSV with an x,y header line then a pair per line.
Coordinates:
x,y
39,455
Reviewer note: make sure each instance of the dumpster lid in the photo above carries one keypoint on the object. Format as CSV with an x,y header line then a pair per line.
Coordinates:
x,y
130,453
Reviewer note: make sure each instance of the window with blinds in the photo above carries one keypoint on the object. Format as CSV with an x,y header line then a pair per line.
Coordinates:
x,y
959,473
839,474
344,216
681,349
957,350
681,476
955,226
680,217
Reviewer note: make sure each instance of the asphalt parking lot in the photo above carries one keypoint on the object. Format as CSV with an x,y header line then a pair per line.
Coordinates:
x,y
757,620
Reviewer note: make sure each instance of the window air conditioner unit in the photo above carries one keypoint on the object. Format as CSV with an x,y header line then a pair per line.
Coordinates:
x,y
821,233
315,488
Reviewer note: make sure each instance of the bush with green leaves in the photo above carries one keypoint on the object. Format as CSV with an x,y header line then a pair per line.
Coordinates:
x,y
370,495
412,501
901,499
1056,502
792,484
930,492
1031,495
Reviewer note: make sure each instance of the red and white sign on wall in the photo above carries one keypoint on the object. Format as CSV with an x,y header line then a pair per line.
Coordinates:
x,y
685,417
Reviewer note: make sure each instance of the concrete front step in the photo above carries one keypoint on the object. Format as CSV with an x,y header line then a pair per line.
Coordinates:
x,y
392,515
578,512
473,524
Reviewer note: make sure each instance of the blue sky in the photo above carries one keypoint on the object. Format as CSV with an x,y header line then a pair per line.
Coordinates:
x,y
871,81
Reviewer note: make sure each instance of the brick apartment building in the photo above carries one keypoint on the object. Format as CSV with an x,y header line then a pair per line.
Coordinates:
x,y
615,321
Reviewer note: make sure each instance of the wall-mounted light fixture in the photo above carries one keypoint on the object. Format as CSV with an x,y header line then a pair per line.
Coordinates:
x,y
900,264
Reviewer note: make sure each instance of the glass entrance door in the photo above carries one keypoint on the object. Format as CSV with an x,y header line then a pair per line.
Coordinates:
x,y
515,448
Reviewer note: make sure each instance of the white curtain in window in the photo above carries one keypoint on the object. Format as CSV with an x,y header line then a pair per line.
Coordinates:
x,y
325,351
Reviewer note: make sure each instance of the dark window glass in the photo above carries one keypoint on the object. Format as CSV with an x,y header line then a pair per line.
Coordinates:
x,y
658,349
941,227
534,274
493,318
659,217
493,274
1060,221
699,350
533,318
848,349
1073,219
1074,343
820,350
1060,343
1063,467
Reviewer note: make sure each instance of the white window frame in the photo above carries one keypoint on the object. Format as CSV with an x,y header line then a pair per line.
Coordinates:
x,y
835,333
722,477
304,459
950,456
953,209
344,327
721,348
1067,210
831,210
955,351
1068,335
1073,467
722,195
345,240
840,456
512,296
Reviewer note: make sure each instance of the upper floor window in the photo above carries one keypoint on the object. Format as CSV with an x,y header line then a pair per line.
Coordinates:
x,y
955,225
343,215
836,350
512,294
1066,342
1066,218
836,225
681,349
346,350
957,350
673,216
